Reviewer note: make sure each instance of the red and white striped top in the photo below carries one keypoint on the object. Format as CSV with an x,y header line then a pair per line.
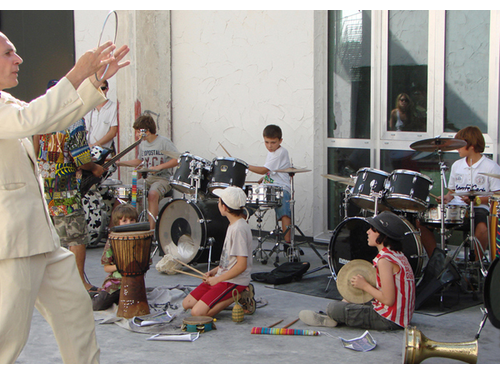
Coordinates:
x,y
401,311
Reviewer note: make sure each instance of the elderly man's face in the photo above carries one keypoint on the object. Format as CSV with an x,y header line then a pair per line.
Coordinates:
x,y
9,63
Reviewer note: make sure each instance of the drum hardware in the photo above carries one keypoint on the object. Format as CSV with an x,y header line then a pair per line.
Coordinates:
x,y
227,172
368,189
192,175
439,145
471,238
293,251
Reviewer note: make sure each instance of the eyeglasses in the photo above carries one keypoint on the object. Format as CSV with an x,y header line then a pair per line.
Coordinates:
x,y
404,100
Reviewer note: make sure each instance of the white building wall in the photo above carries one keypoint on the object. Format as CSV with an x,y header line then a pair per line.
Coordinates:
x,y
233,73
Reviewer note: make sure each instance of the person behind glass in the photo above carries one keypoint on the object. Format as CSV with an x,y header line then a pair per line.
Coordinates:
x,y
393,301
402,117
35,270
466,175
235,266
110,291
102,122
277,158
151,157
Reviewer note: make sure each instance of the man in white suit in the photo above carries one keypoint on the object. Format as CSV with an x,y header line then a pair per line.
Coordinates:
x,y
34,269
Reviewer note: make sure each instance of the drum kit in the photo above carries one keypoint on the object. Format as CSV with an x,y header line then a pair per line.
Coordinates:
x,y
406,193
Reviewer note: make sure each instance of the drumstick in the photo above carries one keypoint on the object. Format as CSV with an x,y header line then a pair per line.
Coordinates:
x,y
188,266
278,322
434,196
190,274
291,324
228,154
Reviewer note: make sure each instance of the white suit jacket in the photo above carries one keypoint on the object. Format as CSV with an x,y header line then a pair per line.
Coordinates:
x,y
25,225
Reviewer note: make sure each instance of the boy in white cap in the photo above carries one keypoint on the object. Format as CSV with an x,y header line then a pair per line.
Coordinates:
x,y
235,266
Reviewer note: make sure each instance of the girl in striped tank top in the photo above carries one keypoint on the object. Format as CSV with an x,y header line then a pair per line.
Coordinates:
x,y
394,295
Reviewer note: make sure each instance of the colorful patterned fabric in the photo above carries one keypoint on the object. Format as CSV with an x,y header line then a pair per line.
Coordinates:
x,y
113,281
59,157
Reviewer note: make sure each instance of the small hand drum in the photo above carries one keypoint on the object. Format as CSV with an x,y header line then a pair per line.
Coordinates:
x,y
132,251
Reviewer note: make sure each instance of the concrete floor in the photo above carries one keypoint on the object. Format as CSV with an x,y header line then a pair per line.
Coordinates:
x,y
233,343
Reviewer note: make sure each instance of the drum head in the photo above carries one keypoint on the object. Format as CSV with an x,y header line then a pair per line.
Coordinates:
x,y
184,228
349,241
491,295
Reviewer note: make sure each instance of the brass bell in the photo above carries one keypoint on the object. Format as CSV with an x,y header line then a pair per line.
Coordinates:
x,y
418,348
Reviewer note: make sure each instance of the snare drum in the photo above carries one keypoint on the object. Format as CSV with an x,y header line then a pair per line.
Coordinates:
x,y
191,168
264,195
453,215
227,172
369,181
408,191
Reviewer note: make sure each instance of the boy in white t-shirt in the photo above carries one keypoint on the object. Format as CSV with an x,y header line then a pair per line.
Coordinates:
x,y
235,266
465,176
277,158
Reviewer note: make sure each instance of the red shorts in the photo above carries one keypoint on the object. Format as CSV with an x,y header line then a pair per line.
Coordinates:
x,y
212,295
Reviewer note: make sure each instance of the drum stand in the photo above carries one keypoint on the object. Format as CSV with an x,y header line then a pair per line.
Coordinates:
x,y
293,251
259,251
473,241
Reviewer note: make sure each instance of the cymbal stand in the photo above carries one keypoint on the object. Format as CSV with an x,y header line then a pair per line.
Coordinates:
x,y
442,168
472,239
293,251
145,213
259,251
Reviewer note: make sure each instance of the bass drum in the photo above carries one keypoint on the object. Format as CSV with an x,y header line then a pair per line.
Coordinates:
x,y
349,241
184,228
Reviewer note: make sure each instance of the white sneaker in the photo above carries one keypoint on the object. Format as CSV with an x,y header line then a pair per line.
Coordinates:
x,y
315,319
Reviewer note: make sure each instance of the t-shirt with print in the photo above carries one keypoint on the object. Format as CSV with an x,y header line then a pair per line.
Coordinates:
x,y
461,174
238,242
151,154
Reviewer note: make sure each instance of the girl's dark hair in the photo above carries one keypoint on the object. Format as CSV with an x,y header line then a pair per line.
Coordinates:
x,y
389,242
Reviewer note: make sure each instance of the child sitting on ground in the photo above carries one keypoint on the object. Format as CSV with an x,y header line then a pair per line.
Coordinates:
x,y
233,272
110,291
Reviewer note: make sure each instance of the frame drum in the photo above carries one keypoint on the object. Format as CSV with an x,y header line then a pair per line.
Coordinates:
x,y
183,229
349,241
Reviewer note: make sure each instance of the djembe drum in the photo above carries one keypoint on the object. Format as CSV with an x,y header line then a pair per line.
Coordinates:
x,y
131,251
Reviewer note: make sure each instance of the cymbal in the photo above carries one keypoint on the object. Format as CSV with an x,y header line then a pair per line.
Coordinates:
x,y
347,272
490,174
147,170
293,170
434,144
343,180
171,154
473,193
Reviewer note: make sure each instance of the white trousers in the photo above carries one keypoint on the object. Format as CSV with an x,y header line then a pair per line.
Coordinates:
x,y
51,283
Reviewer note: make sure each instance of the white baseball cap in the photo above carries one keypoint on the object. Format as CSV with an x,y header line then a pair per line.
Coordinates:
x,y
233,196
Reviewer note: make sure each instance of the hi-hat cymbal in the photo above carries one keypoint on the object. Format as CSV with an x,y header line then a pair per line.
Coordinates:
x,y
490,175
434,144
293,170
473,193
145,170
343,180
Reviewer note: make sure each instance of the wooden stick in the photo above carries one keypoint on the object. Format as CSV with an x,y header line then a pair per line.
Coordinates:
x,y
188,266
292,323
190,274
275,324
228,154
434,196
